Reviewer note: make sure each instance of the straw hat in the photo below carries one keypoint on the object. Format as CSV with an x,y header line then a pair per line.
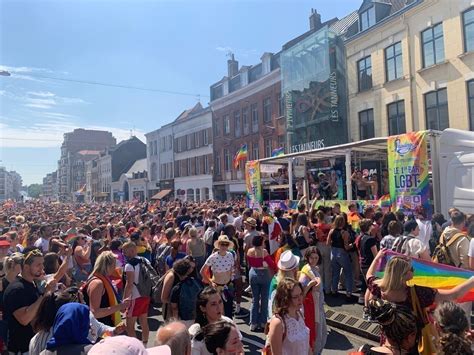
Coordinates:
x,y
224,239
288,261
251,222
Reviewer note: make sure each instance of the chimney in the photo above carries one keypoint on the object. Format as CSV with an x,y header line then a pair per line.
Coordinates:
x,y
232,66
314,20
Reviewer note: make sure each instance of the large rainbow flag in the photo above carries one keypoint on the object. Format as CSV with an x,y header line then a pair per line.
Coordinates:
x,y
278,152
240,155
434,275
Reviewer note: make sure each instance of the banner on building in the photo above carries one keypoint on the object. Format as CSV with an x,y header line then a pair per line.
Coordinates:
x,y
253,184
408,171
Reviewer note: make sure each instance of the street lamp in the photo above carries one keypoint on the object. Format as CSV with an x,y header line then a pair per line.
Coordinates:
x,y
4,73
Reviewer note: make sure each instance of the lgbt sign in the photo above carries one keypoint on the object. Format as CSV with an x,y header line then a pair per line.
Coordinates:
x,y
408,171
253,183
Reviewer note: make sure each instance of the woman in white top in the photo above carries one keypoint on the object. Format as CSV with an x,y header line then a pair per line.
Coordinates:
x,y
209,309
288,333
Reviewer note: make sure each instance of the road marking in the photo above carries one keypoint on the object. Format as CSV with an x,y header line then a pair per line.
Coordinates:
x,y
253,342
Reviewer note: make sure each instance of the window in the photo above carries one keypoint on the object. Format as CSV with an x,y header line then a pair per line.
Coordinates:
x,y
170,142
216,128
237,123
188,142
189,167
366,124
365,73
206,164
436,107
155,147
367,18
206,193
170,170
254,112
198,195
393,62
470,102
245,120
226,160
226,122
255,151
197,143
468,24
432,45
282,142
267,110
268,147
197,165
217,163
205,138
163,144
281,105
396,118
190,195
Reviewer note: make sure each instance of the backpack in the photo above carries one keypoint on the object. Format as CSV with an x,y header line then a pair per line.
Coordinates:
x,y
148,279
189,289
400,243
160,261
442,254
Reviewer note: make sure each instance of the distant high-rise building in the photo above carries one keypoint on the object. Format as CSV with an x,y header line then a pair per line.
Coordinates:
x,y
78,147
10,185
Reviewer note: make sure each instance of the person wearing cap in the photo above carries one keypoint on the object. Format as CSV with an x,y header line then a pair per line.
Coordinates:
x,y
124,345
221,263
288,266
250,232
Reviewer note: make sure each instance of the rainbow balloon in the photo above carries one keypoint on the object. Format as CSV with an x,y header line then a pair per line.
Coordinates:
x,y
434,275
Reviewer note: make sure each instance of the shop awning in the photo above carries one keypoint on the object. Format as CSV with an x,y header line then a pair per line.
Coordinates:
x,y
161,194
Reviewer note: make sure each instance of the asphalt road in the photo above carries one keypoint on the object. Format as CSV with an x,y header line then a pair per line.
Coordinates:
x,y
339,342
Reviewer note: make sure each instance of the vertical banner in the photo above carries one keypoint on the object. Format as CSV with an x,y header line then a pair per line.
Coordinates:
x,y
253,183
408,171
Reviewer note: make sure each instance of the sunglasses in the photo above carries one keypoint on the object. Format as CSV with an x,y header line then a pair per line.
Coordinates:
x,y
224,244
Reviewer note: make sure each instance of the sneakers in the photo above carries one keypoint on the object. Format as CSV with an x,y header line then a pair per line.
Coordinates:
x,y
366,315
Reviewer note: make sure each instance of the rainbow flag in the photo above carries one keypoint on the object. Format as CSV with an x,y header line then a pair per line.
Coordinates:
x,y
240,155
434,275
278,152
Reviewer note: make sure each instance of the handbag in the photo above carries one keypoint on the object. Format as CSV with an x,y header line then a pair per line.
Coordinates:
x,y
428,334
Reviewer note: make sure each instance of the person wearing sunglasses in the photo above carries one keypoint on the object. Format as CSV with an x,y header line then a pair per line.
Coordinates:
x,y
22,300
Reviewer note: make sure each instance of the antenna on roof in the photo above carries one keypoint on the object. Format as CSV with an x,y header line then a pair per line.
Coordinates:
x,y
230,54
198,98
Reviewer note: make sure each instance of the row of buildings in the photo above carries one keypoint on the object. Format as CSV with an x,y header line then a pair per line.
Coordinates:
x,y
10,185
390,67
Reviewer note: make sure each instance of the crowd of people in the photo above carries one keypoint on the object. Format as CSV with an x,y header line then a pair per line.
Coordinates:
x,y
78,279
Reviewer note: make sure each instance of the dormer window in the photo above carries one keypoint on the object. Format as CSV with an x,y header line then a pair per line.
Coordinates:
x,y
367,18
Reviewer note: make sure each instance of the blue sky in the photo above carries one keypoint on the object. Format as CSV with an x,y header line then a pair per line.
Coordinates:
x,y
177,46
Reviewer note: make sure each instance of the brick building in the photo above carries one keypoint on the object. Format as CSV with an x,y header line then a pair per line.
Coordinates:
x,y
247,109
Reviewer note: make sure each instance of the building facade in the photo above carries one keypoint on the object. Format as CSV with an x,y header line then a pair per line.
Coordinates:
x,y
160,161
193,154
10,185
132,185
247,109
314,85
411,67
71,166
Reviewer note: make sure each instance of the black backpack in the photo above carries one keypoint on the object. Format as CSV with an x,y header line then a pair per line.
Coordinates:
x,y
148,280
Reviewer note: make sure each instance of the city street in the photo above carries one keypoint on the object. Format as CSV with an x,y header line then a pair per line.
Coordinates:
x,y
339,341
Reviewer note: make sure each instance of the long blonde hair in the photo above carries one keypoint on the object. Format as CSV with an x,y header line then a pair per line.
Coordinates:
x,y
394,275
291,274
104,260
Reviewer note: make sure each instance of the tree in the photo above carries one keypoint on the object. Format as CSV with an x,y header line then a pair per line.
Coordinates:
x,y
34,190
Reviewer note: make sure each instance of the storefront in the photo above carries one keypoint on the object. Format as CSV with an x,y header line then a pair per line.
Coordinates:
x,y
314,91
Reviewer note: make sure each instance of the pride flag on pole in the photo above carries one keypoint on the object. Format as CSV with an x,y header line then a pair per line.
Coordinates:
x,y
240,155
434,275
278,152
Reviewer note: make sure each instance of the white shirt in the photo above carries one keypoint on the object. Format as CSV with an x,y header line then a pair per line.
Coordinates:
x,y
136,275
42,244
238,221
199,347
470,253
426,230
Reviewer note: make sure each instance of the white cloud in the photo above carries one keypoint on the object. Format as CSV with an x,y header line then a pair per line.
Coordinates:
x,y
41,93
12,69
41,106
225,49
